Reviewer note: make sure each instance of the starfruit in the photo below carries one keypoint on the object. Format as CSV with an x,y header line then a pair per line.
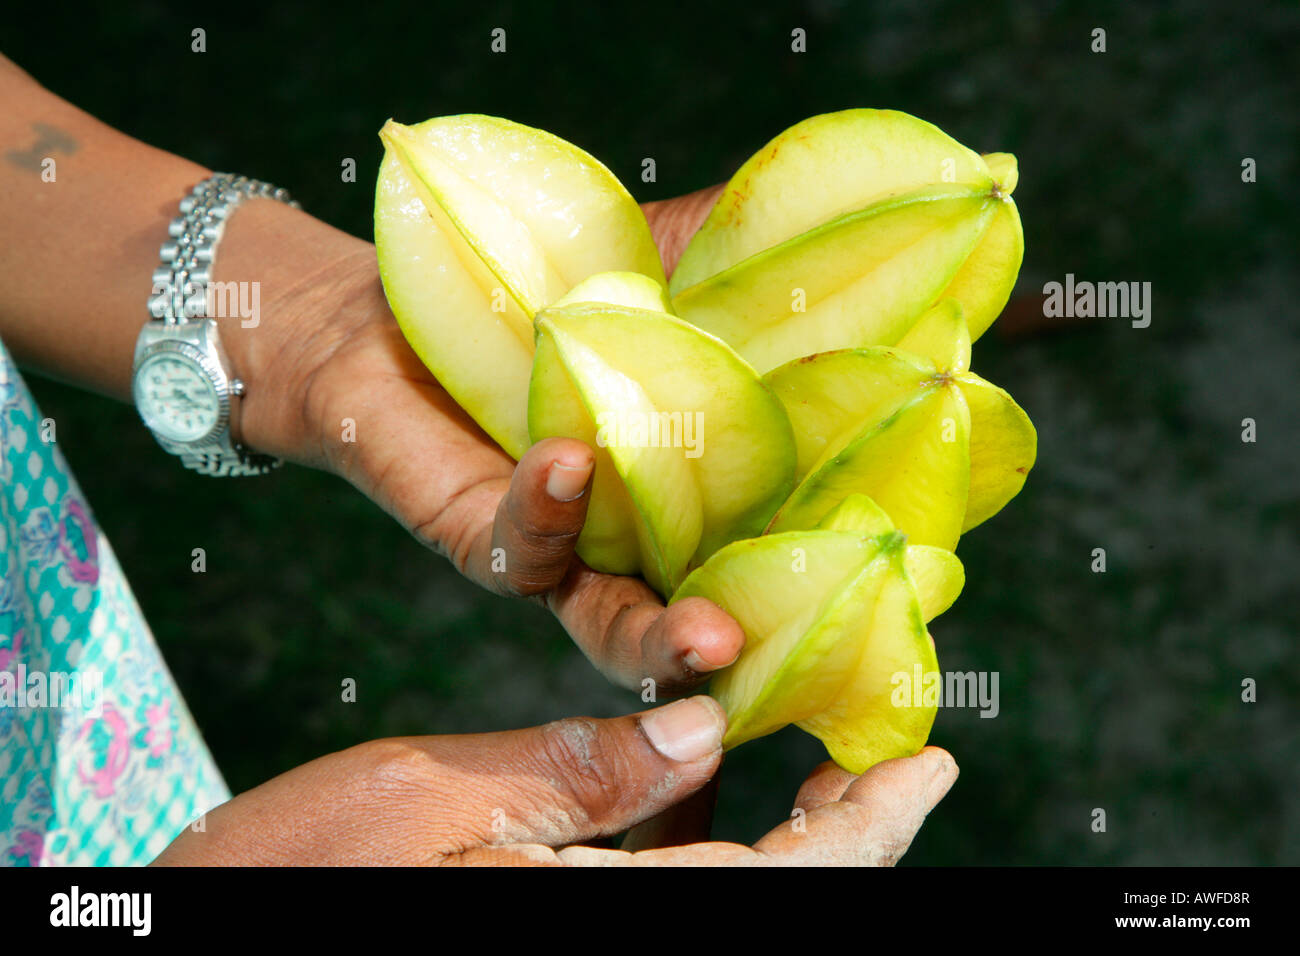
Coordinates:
x,y
479,224
843,230
692,449
832,617
937,447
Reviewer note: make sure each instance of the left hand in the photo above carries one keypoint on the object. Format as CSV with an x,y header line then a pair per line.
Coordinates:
x,y
318,346
423,459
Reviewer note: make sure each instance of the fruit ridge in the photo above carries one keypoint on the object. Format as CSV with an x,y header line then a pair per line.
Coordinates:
x,y
828,443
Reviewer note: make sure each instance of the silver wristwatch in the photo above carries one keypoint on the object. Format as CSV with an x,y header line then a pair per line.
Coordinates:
x,y
183,385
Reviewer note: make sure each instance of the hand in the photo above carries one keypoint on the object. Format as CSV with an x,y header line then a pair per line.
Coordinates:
x,y
529,797
322,348
425,461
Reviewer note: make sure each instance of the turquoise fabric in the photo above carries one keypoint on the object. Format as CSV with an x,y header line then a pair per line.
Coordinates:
x,y
91,778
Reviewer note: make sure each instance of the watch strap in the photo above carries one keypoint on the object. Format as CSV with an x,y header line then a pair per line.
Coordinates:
x,y
187,255
180,296
228,462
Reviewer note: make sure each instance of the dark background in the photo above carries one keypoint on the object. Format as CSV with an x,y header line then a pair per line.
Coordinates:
x,y
1118,690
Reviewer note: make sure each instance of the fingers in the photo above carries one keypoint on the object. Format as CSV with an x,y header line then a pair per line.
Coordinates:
x,y
674,221
687,822
521,854
539,519
619,622
624,629
695,854
576,779
528,546
869,820
824,785
875,820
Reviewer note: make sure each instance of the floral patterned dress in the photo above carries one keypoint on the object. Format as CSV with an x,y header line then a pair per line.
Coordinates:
x,y
100,761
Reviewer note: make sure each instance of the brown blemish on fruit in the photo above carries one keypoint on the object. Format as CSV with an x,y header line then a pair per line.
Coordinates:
x,y
1023,470
810,358
738,195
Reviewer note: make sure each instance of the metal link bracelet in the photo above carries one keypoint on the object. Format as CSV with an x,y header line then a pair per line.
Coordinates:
x,y
187,256
179,296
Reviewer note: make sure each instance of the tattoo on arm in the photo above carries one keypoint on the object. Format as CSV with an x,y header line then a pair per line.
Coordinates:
x,y
49,139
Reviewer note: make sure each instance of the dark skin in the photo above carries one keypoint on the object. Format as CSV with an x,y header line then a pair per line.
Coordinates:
x,y
327,348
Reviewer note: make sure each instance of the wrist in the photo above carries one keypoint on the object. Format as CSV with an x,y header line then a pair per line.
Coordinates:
x,y
290,286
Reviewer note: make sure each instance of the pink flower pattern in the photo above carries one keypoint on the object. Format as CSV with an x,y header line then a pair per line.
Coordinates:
x,y
159,735
84,568
111,784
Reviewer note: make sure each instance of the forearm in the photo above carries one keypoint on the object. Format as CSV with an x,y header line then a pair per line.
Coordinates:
x,y
80,249
81,244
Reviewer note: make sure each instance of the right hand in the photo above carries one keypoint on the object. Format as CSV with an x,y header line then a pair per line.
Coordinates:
x,y
531,797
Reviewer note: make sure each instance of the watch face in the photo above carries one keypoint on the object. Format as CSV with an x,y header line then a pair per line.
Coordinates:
x,y
176,398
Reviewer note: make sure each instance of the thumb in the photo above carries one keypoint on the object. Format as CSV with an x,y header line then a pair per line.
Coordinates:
x,y
578,779
530,547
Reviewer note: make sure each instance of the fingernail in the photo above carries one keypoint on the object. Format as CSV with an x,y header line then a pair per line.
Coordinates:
x,y
941,780
685,730
567,483
695,662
